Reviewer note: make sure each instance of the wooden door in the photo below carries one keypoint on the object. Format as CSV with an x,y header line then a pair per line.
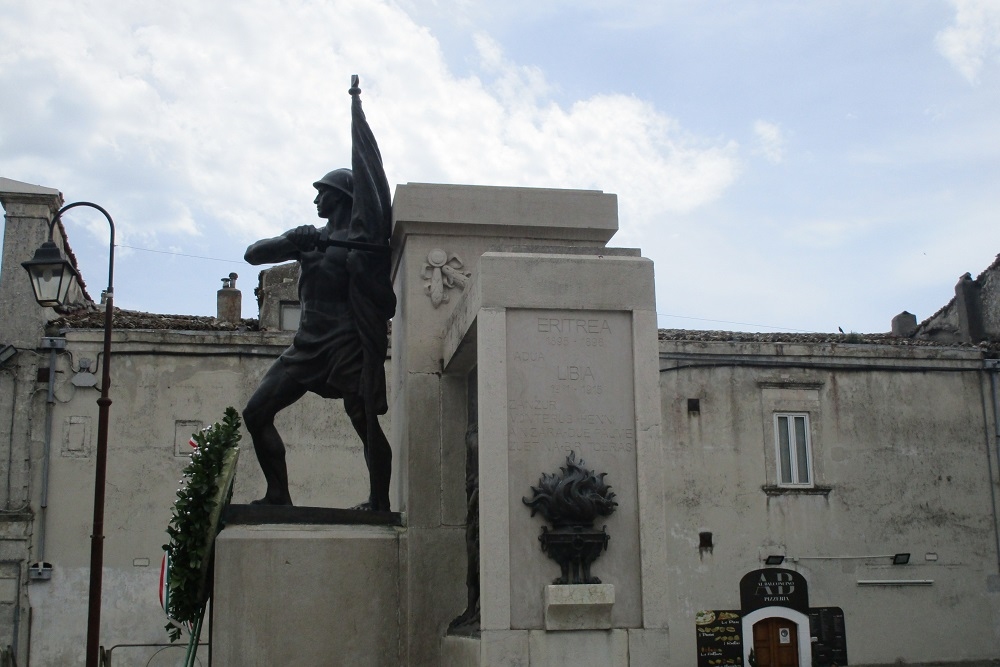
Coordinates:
x,y
776,643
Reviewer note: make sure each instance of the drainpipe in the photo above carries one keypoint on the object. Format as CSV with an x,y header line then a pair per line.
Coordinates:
x,y
41,568
992,367
10,440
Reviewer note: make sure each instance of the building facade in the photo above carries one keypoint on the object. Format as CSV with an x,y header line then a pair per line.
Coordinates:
x,y
866,468
800,471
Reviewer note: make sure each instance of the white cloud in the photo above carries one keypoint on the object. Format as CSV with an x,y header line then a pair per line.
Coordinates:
x,y
770,141
973,40
215,118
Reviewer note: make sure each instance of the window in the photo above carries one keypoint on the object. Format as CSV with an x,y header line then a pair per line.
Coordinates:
x,y
289,315
791,431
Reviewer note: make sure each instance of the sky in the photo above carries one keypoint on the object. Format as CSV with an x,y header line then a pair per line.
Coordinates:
x,y
787,165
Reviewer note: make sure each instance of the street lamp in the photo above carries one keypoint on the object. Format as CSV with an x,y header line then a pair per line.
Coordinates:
x,y
52,277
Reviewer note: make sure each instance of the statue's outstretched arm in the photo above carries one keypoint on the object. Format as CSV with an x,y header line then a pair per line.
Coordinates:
x,y
283,248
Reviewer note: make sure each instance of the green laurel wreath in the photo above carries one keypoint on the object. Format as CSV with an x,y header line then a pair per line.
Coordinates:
x,y
197,511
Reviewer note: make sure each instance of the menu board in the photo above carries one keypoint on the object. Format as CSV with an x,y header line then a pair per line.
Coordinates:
x,y
720,638
829,638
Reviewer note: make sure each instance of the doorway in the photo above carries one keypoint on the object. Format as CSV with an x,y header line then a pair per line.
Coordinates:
x,y
776,642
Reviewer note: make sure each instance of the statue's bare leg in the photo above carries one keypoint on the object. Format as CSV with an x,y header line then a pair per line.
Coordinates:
x,y
276,392
378,453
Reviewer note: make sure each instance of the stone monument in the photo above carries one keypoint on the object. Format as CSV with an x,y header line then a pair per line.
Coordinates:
x,y
564,349
520,340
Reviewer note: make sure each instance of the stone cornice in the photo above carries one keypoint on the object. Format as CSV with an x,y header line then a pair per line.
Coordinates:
x,y
17,193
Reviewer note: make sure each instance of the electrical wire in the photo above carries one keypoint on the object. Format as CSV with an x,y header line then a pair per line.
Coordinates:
x,y
180,254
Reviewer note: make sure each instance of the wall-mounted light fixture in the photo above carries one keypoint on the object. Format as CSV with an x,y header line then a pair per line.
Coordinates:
x,y
6,353
774,559
83,377
897,559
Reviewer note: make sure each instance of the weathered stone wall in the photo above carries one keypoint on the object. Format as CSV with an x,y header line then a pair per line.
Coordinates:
x,y
903,461
166,384
989,286
276,285
900,450
973,315
942,326
28,210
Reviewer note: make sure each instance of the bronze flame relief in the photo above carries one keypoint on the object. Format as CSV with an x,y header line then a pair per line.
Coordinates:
x,y
571,500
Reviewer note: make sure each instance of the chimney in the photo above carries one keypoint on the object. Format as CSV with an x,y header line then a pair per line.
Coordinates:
x,y
970,310
904,325
230,300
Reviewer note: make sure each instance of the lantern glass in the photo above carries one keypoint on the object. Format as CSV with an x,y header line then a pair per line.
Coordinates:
x,y
52,276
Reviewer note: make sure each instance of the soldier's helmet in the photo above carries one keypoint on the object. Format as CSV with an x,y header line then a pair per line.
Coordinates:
x,y
339,179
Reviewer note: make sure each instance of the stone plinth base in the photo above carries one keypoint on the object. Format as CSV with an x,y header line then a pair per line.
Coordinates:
x,y
579,607
307,596
540,648
587,647
460,651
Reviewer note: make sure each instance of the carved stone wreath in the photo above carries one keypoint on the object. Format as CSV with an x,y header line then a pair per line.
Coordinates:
x,y
443,271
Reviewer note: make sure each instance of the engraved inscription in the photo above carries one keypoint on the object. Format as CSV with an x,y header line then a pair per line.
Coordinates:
x,y
574,373
567,331
569,384
572,325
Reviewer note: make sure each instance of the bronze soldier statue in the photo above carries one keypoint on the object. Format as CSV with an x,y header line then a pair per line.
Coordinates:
x,y
346,300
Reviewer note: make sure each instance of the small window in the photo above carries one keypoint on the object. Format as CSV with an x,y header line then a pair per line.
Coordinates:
x,y
289,316
791,432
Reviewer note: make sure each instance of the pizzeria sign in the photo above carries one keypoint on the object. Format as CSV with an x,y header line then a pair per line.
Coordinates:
x,y
774,587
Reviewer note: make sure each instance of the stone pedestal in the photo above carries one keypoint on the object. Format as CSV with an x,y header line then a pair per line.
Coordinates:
x,y
564,347
307,595
439,232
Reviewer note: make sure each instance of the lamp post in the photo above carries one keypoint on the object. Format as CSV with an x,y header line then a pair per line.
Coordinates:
x,y
52,277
